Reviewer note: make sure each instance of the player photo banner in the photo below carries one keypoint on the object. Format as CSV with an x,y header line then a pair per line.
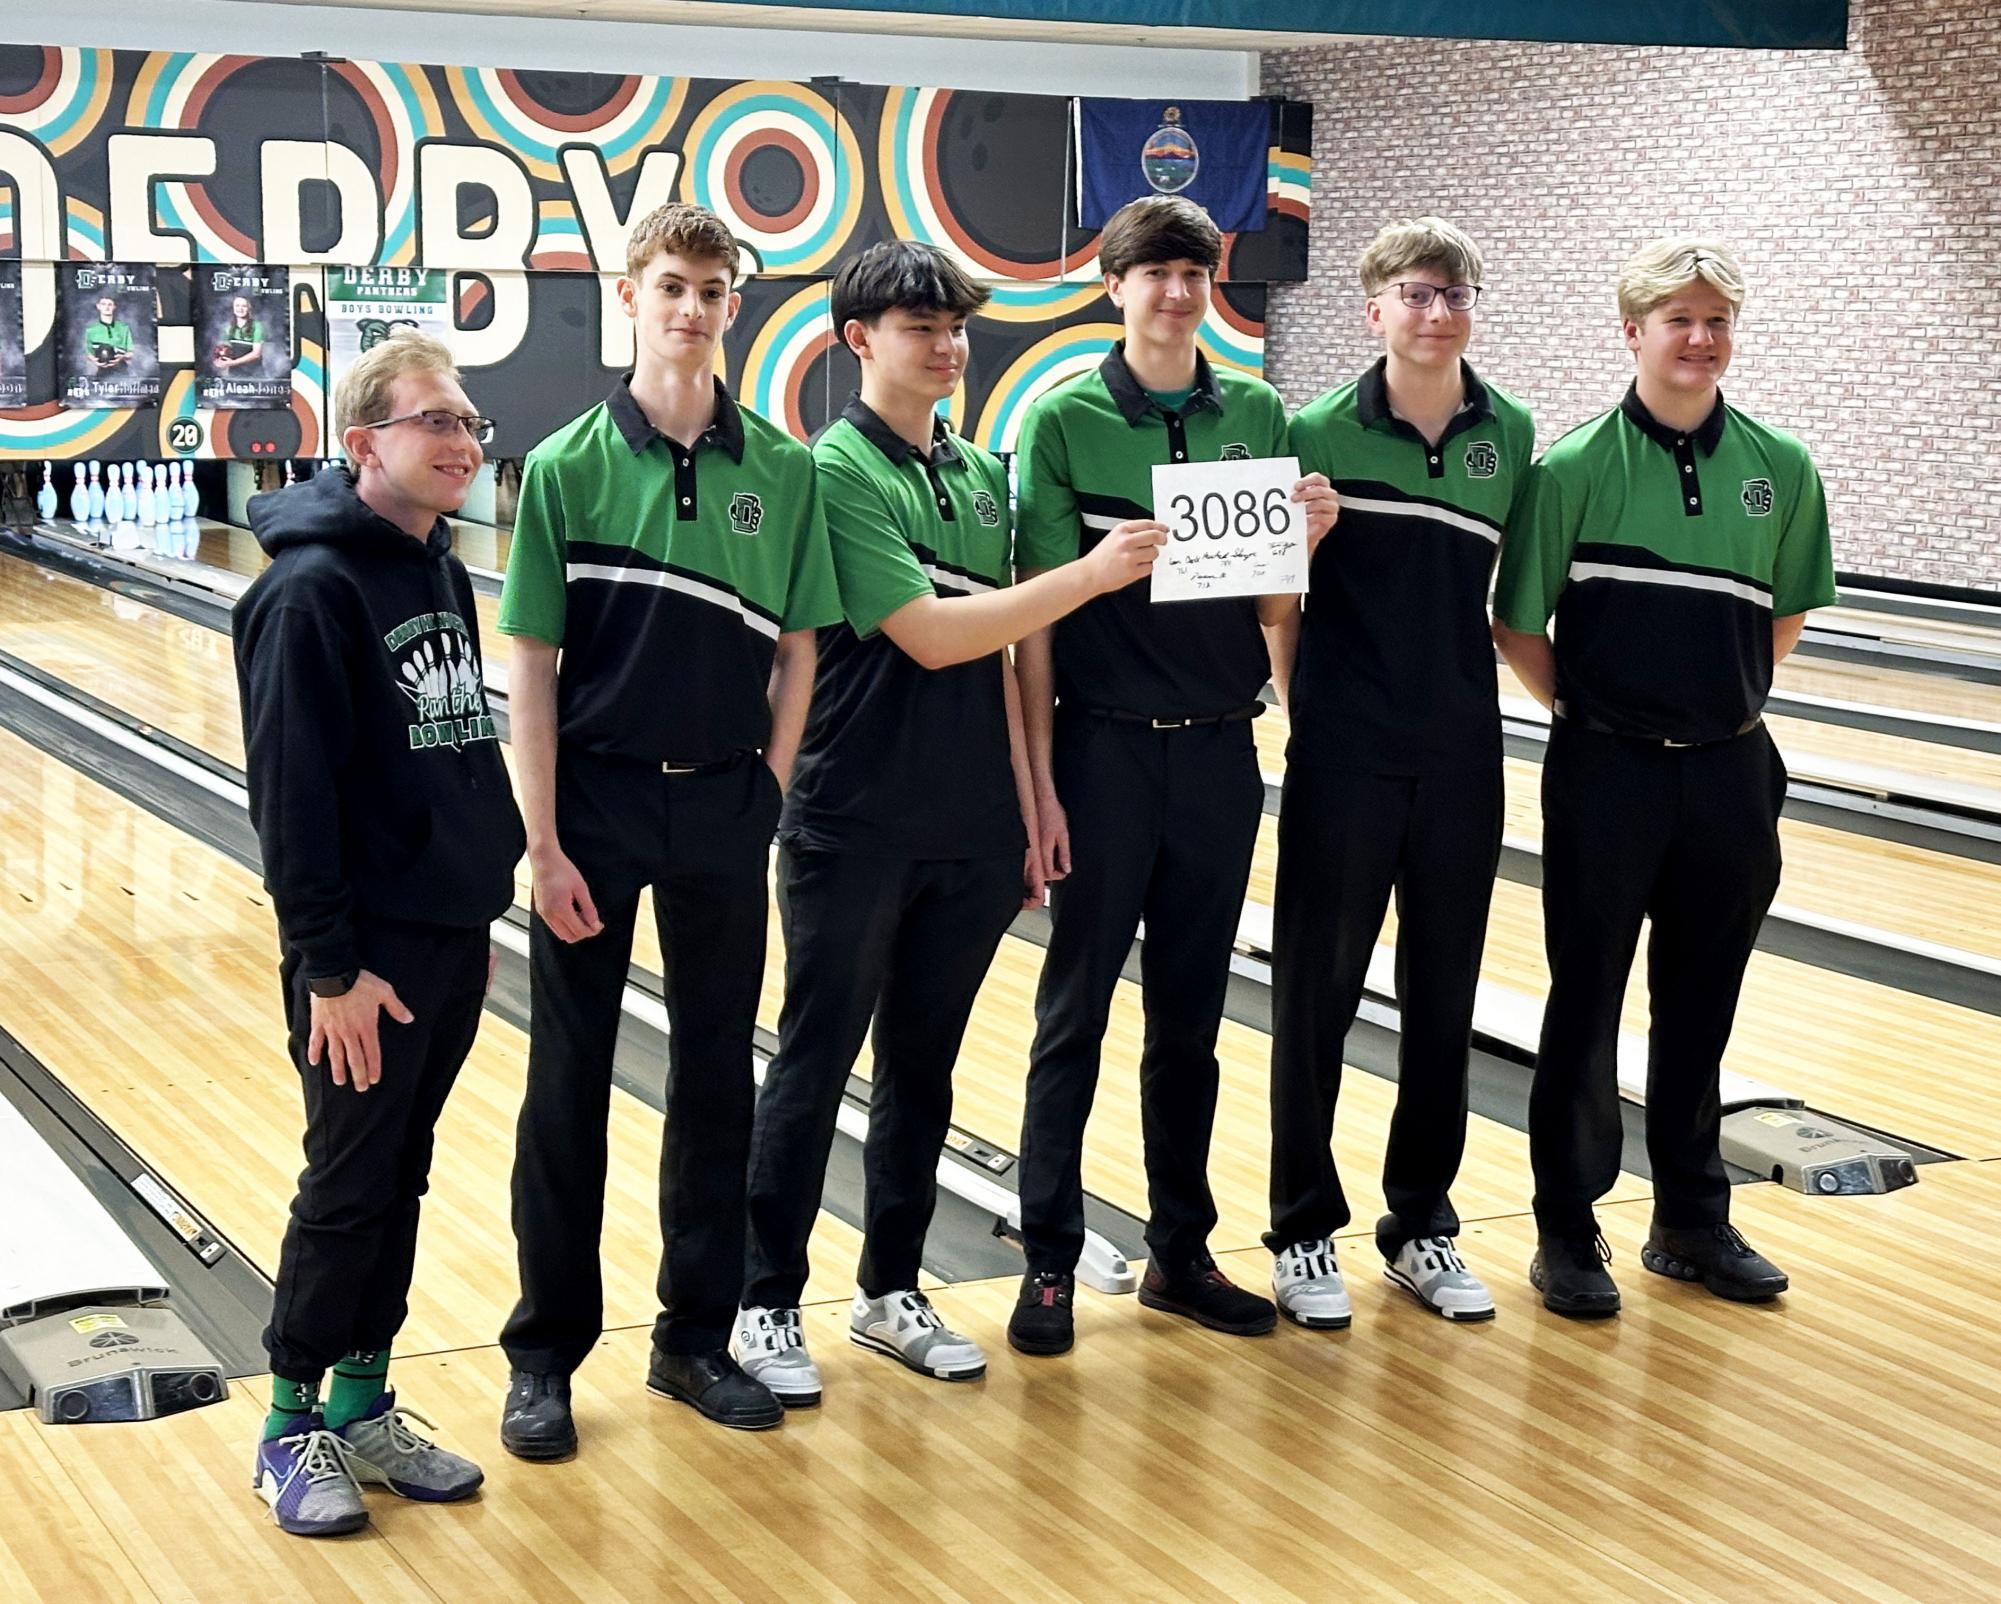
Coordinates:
x,y
243,337
110,355
366,305
13,344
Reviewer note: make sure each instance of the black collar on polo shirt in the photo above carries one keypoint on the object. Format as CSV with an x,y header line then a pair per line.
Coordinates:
x,y
868,422
1135,403
725,433
1372,397
1706,434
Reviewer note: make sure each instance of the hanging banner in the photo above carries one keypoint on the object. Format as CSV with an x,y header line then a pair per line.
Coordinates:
x,y
1213,152
243,337
13,343
365,305
110,353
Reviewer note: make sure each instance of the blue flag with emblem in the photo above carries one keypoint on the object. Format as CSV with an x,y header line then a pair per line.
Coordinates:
x,y
1212,151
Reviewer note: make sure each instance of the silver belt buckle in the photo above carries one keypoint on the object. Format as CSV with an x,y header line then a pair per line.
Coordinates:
x,y
679,768
1172,723
1675,746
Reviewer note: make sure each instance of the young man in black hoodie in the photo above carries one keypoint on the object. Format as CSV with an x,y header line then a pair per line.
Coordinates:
x,y
389,837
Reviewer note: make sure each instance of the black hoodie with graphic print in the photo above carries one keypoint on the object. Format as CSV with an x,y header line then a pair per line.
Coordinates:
x,y
376,783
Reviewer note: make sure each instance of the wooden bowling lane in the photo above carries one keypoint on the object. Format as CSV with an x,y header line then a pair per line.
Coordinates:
x,y
1837,1444
1908,690
174,674
62,624
1972,635
1887,885
1841,874
1803,740
141,967
1905,1064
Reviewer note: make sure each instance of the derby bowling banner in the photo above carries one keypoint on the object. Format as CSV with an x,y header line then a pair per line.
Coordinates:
x,y
110,354
243,337
366,305
13,345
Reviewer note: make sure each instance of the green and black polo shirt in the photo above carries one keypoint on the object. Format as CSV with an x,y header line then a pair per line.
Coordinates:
x,y
899,760
1395,673
1087,453
1665,555
666,573
114,337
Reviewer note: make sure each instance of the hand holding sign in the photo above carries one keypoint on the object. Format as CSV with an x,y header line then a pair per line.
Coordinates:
x,y
1127,553
1233,529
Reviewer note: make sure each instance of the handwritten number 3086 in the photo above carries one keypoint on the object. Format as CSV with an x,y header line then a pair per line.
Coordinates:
x,y
1241,514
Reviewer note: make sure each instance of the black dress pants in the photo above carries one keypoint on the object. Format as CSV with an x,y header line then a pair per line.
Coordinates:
x,y
1689,838
1346,840
702,843
905,943
344,1268
1162,826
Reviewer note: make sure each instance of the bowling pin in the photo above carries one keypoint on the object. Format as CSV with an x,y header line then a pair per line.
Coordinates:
x,y
45,503
79,498
96,494
145,496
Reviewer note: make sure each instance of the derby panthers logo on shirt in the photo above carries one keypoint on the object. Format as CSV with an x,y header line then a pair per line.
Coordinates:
x,y
1482,460
1758,497
985,508
437,670
746,513
1235,451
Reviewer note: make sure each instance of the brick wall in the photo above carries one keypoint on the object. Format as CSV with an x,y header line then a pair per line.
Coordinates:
x,y
1863,189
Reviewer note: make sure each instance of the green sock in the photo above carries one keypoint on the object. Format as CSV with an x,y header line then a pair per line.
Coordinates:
x,y
291,1402
358,1380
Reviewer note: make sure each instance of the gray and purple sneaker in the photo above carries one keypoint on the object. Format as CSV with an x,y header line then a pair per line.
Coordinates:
x,y
306,1480
384,1450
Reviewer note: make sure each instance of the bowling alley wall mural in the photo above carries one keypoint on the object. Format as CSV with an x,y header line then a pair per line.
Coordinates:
x,y
317,181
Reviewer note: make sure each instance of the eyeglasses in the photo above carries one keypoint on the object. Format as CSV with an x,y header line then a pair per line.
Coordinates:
x,y
1417,294
442,423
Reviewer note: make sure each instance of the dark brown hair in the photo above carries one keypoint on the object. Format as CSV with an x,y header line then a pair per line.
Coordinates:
x,y
1159,228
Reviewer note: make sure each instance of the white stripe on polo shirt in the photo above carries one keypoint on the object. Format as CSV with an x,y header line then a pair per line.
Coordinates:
x,y
963,584
1658,576
714,595
1426,511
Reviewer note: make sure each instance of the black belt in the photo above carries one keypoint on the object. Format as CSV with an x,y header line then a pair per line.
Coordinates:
x,y
716,767
1585,721
1119,715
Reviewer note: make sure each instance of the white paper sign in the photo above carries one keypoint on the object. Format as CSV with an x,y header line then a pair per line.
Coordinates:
x,y
1232,529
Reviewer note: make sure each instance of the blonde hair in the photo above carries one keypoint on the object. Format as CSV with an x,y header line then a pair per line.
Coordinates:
x,y
693,233
1659,271
362,395
1414,242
